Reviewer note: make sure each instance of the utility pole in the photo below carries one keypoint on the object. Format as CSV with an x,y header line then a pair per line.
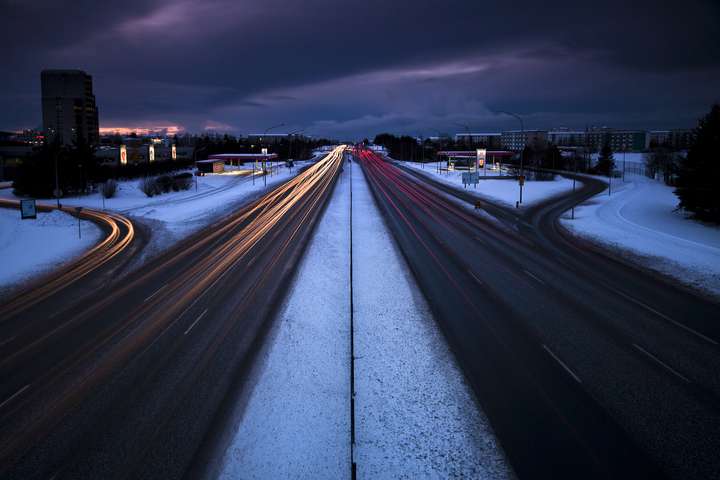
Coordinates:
x,y
57,179
522,151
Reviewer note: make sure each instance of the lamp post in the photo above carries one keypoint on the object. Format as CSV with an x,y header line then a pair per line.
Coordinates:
x,y
265,133
522,152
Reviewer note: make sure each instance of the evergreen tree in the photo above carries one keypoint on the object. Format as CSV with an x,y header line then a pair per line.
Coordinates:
x,y
606,162
699,172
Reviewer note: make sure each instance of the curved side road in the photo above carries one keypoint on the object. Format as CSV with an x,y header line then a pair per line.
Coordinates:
x,y
120,234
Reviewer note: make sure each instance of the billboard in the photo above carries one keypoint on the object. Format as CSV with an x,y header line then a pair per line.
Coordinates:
x,y
151,153
173,152
480,160
28,209
123,155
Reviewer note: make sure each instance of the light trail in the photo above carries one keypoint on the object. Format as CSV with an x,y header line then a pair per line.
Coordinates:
x,y
111,246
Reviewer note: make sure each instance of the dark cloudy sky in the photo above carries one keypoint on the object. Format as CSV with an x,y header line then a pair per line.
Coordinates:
x,y
354,68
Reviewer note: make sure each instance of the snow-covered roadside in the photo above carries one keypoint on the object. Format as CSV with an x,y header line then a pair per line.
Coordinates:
x,y
416,417
506,192
639,220
296,423
176,215
33,247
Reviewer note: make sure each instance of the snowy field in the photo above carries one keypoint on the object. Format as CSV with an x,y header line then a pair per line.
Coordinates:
x,y
506,192
640,219
415,415
33,247
175,215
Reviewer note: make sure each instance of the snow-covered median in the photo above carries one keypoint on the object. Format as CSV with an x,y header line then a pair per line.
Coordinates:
x,y
504,191
415,415
640,220
33,247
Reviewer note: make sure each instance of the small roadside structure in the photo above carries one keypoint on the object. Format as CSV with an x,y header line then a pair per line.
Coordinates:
x,y
241,158
210,166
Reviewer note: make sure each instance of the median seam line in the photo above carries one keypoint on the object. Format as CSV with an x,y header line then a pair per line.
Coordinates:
x,y
196,321
661,363
353,465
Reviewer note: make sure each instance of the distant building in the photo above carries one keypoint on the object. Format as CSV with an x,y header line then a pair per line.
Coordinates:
x,y
677,139
516,140
487,140
593,139
68,107
272,138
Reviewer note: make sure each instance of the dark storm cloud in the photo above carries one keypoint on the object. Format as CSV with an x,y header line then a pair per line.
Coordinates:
x,y
351,68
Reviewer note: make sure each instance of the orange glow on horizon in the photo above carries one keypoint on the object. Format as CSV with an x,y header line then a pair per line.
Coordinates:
x,y
167,130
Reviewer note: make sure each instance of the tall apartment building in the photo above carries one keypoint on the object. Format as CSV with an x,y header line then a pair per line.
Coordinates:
x,y
68,107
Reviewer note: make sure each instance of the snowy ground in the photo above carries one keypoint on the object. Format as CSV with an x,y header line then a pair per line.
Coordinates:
x,y
176,215
33,247
506,192
415,415
639,219
297,420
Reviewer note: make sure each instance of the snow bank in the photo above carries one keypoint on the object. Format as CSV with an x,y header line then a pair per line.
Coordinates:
x,y
297,420
641,220
416,415
506,192
32,247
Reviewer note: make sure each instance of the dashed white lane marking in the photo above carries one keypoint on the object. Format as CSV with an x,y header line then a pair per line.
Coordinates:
x,y
534,277
196,321
156,292
661,363
14,395
562,364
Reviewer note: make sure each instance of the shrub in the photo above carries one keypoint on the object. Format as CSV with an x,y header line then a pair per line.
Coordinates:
x,y
182,181
164,183
148,186
109,188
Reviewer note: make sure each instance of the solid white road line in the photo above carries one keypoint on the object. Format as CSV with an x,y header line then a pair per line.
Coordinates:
x,y
156,292
534,277
196,321
562,364
674,322
15,395
660,362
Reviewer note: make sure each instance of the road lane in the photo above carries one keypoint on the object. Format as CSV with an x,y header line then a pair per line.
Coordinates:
x,y
628,416
130,380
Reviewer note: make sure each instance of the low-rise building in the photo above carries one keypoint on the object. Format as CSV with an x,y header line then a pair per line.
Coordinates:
x,y
516,140
487,140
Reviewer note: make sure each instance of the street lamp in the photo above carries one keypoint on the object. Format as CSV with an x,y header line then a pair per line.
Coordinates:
x,y
261,141
522,151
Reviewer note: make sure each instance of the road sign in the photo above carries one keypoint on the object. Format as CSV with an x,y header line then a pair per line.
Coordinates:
x,y
469,178
521,180
28,209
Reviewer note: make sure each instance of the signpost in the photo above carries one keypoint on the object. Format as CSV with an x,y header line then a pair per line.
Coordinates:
x,y
78,210
28,209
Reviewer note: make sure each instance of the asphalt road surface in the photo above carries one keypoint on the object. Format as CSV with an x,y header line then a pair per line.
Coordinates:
x,y
586,366
128,381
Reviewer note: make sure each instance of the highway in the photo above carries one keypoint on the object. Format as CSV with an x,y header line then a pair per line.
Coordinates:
x,y
131,381
586,366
